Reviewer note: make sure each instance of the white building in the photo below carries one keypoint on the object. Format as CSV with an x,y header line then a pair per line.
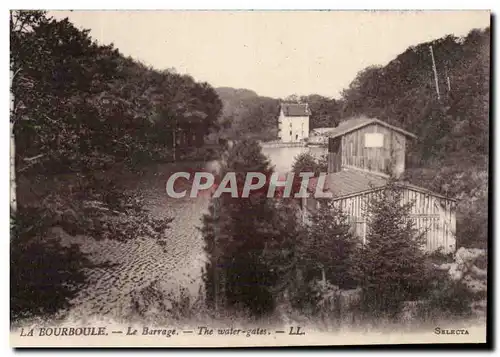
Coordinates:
x,y
293,122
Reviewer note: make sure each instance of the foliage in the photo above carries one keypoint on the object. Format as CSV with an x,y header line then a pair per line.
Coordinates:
x,y
245,114
249,241
404,94
391,265
329,246
325,112
307,298
452,147
98,207
446,299
82,106
306,162
44,275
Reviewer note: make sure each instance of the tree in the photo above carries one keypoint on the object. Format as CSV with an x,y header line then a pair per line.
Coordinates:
x,y
391,266
248,115
231,232
80,106
325,112
305,162
21,25
58,70
248,240
330,246
292,98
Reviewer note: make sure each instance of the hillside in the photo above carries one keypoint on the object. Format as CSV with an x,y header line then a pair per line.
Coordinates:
x,y
246,114
228,94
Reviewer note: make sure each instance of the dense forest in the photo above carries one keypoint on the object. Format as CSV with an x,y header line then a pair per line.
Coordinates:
x,y
79,105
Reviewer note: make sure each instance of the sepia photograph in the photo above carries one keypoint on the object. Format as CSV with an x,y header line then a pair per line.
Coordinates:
x,y
183,178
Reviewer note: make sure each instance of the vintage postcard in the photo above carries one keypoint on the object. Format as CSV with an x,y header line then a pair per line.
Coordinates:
x,y
248,178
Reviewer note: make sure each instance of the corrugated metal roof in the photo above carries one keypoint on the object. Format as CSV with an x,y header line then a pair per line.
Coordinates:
x,y
295,109
356,123
321,131
350,182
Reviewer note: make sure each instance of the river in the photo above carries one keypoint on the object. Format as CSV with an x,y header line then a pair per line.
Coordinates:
x,y
282,158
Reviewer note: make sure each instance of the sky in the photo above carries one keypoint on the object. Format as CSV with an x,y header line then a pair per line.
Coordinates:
x,y
274,53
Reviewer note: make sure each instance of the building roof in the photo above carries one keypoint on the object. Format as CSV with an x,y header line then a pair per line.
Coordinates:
x,y
356,123
322,131
352,182
295,109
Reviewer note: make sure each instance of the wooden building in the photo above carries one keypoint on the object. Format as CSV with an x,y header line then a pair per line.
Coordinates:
x,y
362,154
368,144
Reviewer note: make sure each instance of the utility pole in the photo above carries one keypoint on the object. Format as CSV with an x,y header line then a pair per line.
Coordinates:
x,y
435,72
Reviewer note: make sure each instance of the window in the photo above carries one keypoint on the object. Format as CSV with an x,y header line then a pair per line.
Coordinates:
x,y
290,133
374,140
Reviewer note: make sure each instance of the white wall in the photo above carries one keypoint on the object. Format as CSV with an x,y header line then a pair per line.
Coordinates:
x,y
282,158
298,126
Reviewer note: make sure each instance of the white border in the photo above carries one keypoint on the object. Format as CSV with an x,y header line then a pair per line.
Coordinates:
x,y
187,4
257,5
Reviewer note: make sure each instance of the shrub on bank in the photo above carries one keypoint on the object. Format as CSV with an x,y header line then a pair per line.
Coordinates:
x,y
44,275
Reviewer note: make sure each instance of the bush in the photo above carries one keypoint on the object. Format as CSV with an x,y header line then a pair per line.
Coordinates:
x,y
315,298
99,208
447,299
44,275
305,162
323,163
200,154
